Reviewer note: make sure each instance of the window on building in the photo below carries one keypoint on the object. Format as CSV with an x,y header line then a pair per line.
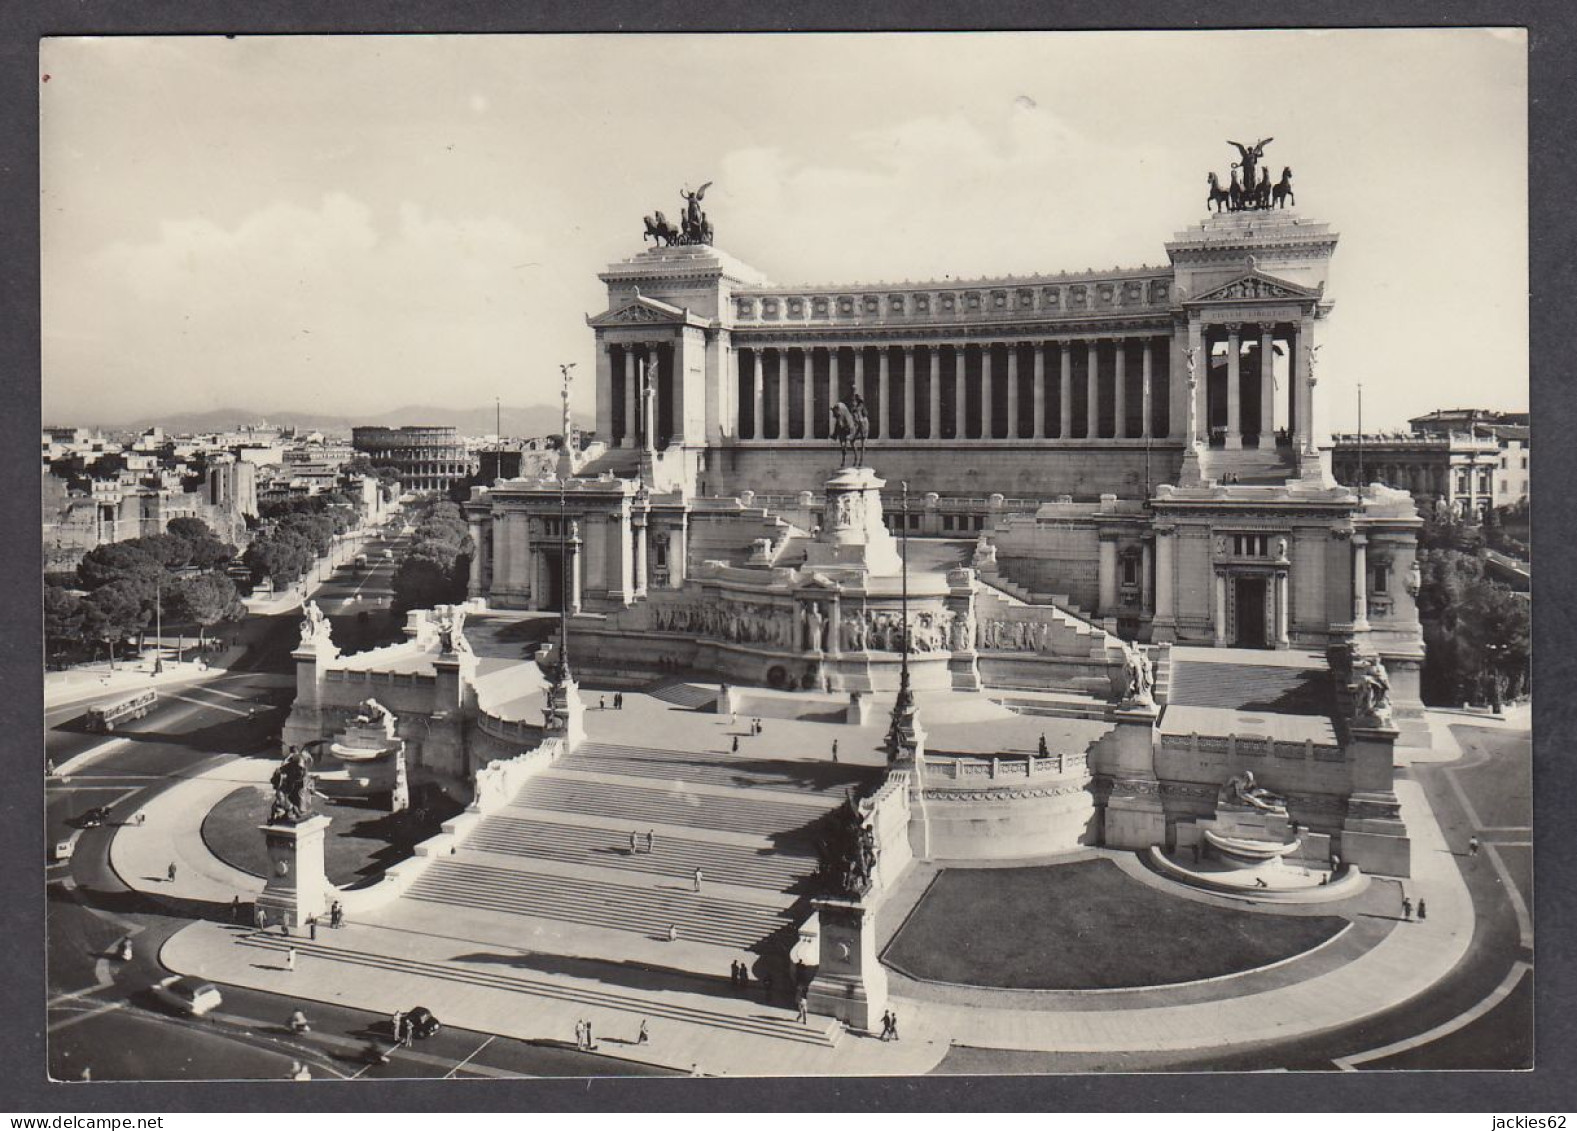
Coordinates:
x,y
947,522
1462,482
1130,571
1503,486
1524,463
1382,578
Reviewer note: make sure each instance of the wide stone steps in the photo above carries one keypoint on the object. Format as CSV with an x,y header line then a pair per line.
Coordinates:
x,y
823,1033
1251,687
743,772
618,907
1052,709
681,693
672,856
645,806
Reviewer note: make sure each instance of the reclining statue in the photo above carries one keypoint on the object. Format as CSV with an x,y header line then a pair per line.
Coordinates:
x,y
1240,790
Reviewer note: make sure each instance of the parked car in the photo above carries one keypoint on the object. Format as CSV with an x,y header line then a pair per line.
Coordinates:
x,y
361,561
422,1022
94,817
191,996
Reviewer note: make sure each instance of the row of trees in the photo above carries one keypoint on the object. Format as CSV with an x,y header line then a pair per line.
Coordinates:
x,y
118,589
294,534
1478,632
437,567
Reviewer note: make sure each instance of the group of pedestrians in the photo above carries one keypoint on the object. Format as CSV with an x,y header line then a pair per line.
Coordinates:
x,y
739,976
889,1026
1407,909
583,1038
636,840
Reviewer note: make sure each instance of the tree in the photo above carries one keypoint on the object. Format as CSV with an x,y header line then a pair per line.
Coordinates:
x,y
64,617
205,549
117,561
113,612
207,600
283,560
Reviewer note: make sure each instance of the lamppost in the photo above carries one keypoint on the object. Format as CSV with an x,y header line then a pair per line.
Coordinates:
x,y
158,623
900,730
564,580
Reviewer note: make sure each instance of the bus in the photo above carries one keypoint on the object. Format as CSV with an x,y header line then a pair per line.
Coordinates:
x,y
104,716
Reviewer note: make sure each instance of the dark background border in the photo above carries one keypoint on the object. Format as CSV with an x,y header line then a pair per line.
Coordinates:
x,y
1553,240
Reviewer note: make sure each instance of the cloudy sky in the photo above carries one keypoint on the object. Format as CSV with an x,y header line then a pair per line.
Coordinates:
x,y
357,223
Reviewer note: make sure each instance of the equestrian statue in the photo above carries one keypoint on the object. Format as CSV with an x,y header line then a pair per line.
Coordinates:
x,y
850,425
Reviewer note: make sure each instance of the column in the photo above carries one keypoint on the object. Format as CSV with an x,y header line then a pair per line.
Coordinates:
x,y
987,416
1221,610
783,395
935,391
757,396
908,392
834,394
631,380
474,582
1267,387
1065,389
1147,392
638,530
1038,429
960,397
1120,392
1281,609
1163,574
1146,581
1092,378
1108,577
807,388
1306,410
883,391
1360,581
1013,429
859,373
1234,386
573,563
677,548
1198,382
604,392
503,565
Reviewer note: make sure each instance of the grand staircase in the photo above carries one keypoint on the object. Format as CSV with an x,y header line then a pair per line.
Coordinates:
x,y
1250,466
1282,689
561,851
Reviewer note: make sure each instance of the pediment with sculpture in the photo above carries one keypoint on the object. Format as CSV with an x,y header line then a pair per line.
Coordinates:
x,y
644,311
1256,286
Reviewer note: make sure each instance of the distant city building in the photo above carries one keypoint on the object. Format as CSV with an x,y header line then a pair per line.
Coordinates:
x,y
425,458
1511,432
1456,468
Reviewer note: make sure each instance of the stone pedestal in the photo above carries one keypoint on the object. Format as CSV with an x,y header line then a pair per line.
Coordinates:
x,y
1134,814
298,888
850,982
853,534
567,718
1248,838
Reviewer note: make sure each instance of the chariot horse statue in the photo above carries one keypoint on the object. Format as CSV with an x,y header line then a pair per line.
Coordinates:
x,y
849,427
660,231
1219,198
1283,190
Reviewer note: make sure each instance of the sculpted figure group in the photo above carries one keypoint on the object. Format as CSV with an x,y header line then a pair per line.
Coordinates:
x,y
810,627
1252,191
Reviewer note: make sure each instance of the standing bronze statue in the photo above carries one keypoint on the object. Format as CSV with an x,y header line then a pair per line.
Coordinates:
x,y
693,226
1250,155
1250,186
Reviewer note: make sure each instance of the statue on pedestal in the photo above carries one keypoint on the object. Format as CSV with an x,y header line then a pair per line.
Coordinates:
x,y
1138,676
846,854
292,783
1372,692
314,625
850,425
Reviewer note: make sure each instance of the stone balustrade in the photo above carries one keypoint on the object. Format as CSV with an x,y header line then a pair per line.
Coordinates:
x,y
1251,746
981,770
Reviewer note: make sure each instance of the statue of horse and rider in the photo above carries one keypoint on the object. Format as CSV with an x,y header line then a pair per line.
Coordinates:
x,y
850,427
693,226
1251,192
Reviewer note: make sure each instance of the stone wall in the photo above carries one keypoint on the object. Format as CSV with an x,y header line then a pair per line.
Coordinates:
x,y
1002,808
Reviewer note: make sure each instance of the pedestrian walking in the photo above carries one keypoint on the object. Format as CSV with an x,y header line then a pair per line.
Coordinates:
x,y
142,819
1423,912
887,1024
591,1043
49,767
1472,845
804,1012
397,1026
835,750
170,871
651,840
1407,909
235,909
580,1034
290,959
260,918
892,1023
618,700
643,1036
698,881
312,928
337,914
735,745
733,719
633,849
673,932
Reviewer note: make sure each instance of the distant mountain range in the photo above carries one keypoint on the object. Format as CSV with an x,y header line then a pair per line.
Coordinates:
x,y
528,420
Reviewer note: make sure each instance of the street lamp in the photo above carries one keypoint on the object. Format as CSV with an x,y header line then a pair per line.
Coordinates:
x,y
1495,652
158,623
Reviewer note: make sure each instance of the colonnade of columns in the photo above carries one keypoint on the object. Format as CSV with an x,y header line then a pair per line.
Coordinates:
x,y
640,383
1075,388
1225,416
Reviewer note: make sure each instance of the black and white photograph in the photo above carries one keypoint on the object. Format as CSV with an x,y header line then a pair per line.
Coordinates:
x,y
784,555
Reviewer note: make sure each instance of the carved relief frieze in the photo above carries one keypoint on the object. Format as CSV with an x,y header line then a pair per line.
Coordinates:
x,y
988,795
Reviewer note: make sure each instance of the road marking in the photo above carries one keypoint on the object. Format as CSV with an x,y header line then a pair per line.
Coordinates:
x,y
70,764
1507,829
86,1015
211,706
1518,905
450,1074
1496,996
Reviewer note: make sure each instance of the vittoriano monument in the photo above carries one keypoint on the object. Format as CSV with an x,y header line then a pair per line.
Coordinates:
x,y
694,227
